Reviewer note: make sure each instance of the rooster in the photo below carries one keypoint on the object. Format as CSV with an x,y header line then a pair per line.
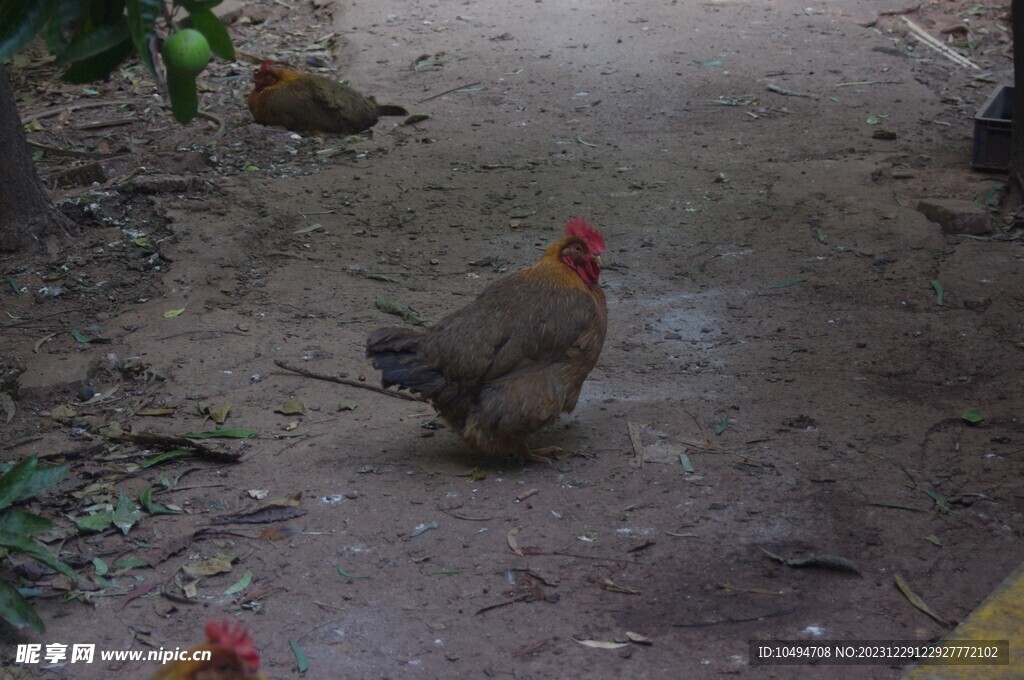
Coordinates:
x,y
232,656
302,102
515,358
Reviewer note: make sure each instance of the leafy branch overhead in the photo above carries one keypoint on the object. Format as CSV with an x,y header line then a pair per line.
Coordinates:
x,y
93,37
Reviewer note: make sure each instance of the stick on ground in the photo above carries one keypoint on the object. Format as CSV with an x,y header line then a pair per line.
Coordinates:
x,y
345,381
939,47
165,442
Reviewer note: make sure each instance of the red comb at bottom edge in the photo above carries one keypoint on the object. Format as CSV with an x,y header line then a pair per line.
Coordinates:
x,y
233,635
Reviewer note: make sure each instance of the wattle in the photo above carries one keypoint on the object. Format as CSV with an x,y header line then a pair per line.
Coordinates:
x,y
586,269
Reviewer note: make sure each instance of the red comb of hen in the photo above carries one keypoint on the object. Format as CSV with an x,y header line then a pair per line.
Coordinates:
x,y
581,229
234,636
265,66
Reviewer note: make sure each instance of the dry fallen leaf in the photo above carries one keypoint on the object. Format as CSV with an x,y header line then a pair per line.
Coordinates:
x,y
612,587
526,494
512,543
601,644
221,414
292,407
144,638
210,567
278,532
638,638
916,600
156,412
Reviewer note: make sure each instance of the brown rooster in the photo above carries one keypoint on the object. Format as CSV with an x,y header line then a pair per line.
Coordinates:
x,y
232,656
302,102
515,358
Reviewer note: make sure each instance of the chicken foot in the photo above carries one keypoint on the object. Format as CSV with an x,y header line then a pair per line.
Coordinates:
x,y
540,455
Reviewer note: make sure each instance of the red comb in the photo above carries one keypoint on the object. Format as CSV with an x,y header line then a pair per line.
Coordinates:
x,y
581,229
265,66
234,636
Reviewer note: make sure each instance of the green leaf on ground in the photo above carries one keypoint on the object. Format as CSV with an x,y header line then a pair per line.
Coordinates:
x,y
125,514
241,584
392,305
348,575
972,416
17,611
301,661
790,282
164,457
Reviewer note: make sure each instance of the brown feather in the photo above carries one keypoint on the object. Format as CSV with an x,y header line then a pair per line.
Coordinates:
x,y
508,363
302,102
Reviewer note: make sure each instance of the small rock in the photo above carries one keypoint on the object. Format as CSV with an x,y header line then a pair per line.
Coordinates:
x,y
956,216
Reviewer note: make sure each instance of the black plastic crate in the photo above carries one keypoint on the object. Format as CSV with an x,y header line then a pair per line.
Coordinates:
x,y
992,132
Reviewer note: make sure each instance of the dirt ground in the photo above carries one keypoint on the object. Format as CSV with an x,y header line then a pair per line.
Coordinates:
x,y
772,317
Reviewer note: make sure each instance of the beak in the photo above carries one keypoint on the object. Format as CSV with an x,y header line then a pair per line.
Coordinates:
x,y
597,259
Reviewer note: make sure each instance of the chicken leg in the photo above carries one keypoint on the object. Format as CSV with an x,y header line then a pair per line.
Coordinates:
x,y
540,455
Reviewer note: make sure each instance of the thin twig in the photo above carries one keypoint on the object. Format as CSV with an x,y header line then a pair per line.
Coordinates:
x,y
213,119
560,553
200,331
194,486
171,442
638,445
75,107
8,446
84,452
110,122
789,93
23,322
535,647
345,381
454,89
722,622
316,627
521,598
869,82
942,49
463,517
891,12
303,438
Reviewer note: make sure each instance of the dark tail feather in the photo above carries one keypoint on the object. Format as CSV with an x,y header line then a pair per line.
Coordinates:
x,y
391,110
393,352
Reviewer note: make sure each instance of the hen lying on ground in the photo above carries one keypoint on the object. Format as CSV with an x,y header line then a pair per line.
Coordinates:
x,y
515,358
302,102
232,656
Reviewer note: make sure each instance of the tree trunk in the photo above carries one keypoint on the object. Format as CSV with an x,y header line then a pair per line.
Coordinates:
x,y
1017,124
28,218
